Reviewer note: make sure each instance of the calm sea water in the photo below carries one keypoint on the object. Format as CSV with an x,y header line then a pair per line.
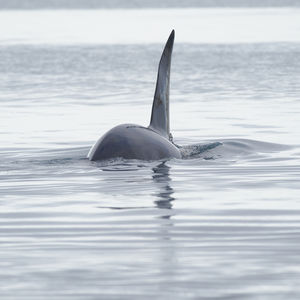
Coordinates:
x,y
222,223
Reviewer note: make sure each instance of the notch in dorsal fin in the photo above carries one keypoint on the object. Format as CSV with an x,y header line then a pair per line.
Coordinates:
x,y
160,109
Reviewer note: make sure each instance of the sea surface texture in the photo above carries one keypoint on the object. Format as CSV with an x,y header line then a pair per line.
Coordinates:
x,y
221,223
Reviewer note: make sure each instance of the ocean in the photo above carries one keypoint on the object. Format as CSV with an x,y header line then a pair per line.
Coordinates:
x,y
221,223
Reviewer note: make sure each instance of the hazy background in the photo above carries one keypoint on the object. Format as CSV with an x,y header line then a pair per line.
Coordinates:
x,y
84,4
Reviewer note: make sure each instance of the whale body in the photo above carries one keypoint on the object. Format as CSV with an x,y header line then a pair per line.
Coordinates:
x,y
154,142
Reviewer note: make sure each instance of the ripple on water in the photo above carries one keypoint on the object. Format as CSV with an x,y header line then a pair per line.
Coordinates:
x,y
223,223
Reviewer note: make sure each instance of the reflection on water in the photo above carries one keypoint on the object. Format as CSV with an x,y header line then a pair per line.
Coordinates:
x,y
136,177
162,179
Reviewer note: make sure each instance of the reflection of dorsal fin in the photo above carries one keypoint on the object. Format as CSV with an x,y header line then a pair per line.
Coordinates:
x,y
160,108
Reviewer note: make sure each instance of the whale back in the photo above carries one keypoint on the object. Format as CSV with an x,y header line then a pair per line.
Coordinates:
x,y
160,121
132,141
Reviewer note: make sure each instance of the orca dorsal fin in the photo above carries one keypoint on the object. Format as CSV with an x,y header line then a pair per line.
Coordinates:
x,y
160,108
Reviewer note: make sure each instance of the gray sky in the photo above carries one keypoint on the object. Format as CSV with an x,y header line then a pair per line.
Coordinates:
x,y
43,4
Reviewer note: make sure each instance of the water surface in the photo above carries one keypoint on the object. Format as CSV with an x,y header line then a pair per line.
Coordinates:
x,y
222,223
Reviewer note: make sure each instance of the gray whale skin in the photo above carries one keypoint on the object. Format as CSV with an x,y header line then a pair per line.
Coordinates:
x,y
154,142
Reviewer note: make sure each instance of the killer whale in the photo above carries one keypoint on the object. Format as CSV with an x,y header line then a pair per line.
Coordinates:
x,y
154,142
